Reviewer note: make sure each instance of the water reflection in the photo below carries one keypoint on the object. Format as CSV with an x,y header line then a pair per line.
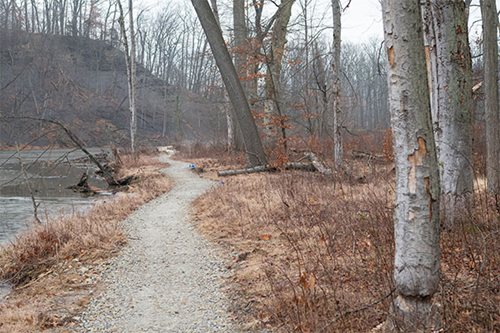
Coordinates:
x,y
49,174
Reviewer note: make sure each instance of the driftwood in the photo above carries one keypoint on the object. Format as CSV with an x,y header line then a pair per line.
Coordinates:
x,y
83,186
314,165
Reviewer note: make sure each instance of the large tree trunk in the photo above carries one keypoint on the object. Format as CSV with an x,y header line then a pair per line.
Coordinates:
x,y
417,253
490,51
241,110
241,62
337,128
240,38
451,99
274,105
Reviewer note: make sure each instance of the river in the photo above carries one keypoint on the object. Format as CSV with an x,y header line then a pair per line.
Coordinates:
x,y
47,175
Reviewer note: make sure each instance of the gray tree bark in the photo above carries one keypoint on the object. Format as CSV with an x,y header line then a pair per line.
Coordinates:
x,y
241,110
131,68
416,216
490,51
273,105
449,61
336,49
132,78
241,61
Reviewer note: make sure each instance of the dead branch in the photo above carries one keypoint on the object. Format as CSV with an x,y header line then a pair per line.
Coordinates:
x,y
107,175
32,193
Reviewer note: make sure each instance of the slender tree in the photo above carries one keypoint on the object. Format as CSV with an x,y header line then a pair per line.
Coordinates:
x,y
131,67
336,49
241,110
417,252
490,51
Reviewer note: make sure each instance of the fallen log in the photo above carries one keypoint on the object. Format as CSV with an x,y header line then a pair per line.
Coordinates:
x,y
320,166
315,165
356,154
260,168
300,166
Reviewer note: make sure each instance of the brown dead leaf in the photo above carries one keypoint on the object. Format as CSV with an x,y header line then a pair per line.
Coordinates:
x,y
265,237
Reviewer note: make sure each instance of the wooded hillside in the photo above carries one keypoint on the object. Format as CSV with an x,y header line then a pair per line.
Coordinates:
x,y
82,83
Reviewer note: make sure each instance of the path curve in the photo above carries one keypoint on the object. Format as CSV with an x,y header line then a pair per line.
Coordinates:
x,y
167,278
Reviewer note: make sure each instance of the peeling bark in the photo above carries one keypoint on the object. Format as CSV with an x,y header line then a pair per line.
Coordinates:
x,y
449,68
416,216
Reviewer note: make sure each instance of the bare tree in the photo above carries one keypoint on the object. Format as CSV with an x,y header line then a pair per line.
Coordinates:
x,y
490,51
337,127
417,252
450,70
274,105
253,145
131,67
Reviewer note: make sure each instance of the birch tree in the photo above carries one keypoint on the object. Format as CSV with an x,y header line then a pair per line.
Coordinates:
x,y
416,215
241,110
490,51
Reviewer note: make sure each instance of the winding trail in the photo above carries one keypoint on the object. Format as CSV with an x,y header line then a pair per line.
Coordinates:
x,y
167,279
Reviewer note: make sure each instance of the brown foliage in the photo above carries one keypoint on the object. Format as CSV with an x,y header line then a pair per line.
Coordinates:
x,y
314,254
43,263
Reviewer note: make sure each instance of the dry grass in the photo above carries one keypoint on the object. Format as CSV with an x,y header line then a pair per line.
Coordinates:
x,y
315,254
54,266
210,158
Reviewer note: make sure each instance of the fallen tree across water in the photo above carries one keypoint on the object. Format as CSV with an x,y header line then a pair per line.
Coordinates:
x,y
105,170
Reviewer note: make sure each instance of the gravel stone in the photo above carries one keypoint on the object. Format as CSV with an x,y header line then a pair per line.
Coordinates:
x,y
167,278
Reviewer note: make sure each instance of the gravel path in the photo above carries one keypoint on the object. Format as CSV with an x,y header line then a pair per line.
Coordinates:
x,y
167,279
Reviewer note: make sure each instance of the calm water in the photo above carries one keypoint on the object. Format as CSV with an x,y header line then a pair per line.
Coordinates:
x,y
49,173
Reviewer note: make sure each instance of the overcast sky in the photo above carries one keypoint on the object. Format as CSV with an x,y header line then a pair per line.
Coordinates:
x,y
360,22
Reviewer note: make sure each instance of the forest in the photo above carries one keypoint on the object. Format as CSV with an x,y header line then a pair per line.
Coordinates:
x,y
261,165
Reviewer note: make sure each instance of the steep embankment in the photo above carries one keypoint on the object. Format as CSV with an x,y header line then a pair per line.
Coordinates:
x,y
83,83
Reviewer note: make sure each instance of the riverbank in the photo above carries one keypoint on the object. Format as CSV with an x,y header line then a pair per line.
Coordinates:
x,y
54,268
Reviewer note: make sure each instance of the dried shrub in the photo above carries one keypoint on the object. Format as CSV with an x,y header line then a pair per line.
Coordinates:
x,y
210,156
315,254
51,265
